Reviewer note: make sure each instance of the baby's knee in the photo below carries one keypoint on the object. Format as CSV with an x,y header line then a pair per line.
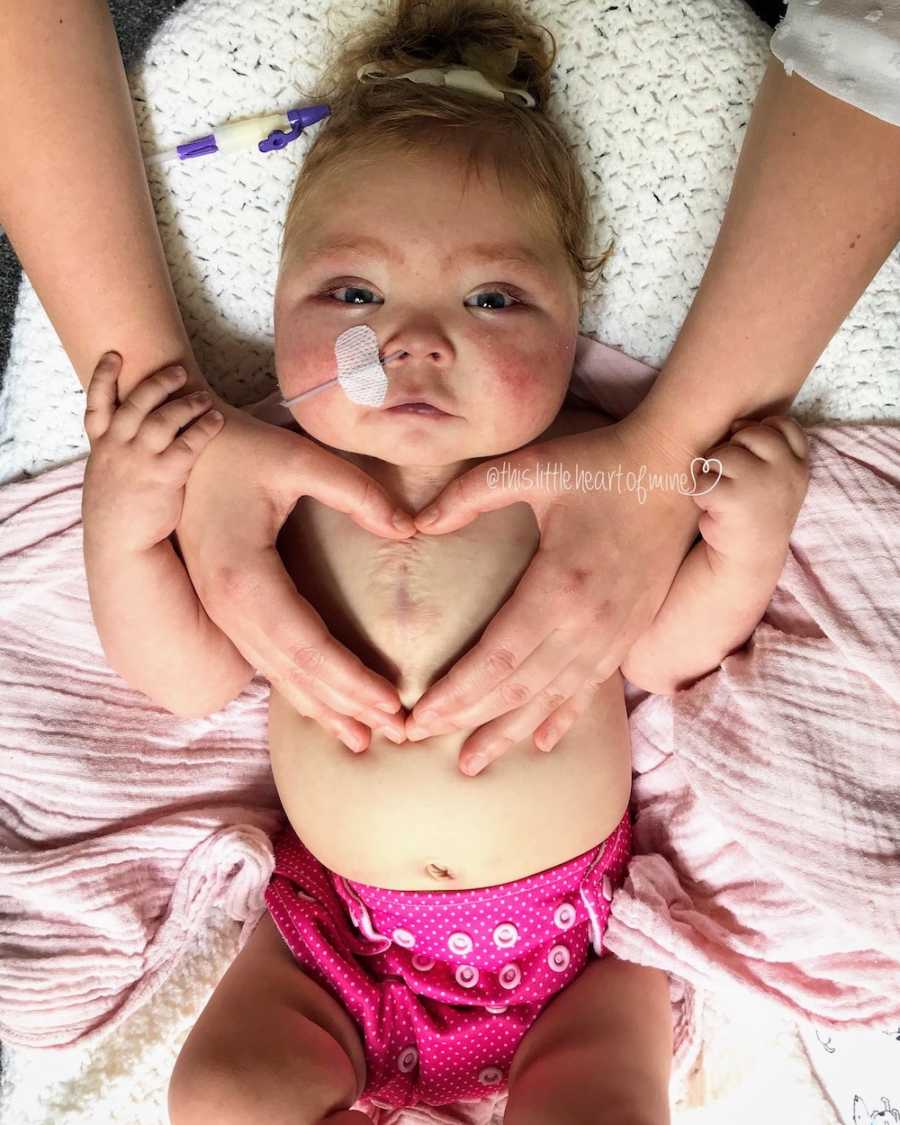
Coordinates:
x,y
202,1090
252,1089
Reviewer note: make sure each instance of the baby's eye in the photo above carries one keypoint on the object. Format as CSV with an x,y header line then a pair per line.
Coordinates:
x,y
353,290
355,295
495,293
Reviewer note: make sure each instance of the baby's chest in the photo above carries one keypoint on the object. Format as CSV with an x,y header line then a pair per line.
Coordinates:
x,y
407,608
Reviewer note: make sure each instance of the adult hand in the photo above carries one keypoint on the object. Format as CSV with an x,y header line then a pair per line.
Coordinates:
x,y
238,496
606,559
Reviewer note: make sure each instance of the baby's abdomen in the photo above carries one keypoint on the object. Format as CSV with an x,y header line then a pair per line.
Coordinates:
x,y
405,817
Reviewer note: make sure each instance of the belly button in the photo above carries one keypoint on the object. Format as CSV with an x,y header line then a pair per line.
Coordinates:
x,y
438,872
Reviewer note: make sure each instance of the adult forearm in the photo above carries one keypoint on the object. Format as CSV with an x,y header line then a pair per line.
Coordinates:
x,y
814,212
74,199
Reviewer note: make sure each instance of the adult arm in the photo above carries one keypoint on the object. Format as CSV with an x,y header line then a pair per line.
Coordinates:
x,y
75,204
813,213
74,199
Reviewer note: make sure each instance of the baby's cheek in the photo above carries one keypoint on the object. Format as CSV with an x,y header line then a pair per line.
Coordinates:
x,y
528,390
302,364
302,361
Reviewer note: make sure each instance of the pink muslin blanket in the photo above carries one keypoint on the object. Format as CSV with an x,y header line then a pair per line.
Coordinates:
x,y
766,797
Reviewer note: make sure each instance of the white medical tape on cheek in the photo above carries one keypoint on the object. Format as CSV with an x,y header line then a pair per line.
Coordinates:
x,y
359,371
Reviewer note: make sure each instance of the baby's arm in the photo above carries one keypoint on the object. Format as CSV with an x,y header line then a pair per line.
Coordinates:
x,y
153,628
726,581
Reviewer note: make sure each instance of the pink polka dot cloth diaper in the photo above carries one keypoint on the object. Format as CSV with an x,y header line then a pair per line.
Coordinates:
x,y
443,985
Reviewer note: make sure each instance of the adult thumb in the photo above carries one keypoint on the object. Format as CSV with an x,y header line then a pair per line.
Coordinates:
x,y
346,488
484,488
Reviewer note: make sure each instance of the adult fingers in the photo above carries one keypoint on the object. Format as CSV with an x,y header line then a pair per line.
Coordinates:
x,y
530,679
279,633
485,488
548,734
492,740
520,629
346,488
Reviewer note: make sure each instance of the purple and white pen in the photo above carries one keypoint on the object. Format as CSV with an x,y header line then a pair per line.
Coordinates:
x,y
268,134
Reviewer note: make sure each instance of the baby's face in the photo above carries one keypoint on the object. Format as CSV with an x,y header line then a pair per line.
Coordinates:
x,y
489,340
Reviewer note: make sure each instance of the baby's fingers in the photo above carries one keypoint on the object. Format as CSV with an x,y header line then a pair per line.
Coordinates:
x,y
180,450
136,410
794,433
772,438
101,397
160,429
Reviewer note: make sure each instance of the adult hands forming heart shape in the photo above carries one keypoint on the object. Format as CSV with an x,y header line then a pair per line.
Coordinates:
x,y
227,535
604,565
605,562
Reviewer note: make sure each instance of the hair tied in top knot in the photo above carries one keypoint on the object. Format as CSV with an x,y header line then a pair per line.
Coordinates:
x,y
459,77
502,62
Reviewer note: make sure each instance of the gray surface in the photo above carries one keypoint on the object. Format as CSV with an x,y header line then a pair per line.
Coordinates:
x,y
135,21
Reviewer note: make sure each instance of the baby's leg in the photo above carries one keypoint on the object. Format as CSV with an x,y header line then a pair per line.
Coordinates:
x,y
271,1047
601,1051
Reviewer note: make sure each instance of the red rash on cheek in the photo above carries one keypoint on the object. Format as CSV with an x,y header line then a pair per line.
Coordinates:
x,y
524,386
305,363
515,377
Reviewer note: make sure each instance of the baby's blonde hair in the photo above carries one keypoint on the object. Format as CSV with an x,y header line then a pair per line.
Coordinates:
x,y
371,119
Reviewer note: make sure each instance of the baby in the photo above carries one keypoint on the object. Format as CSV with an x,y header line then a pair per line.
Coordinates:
x,y
431,937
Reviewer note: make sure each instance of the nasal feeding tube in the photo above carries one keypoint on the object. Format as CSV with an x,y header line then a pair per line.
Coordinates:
x,y
360,373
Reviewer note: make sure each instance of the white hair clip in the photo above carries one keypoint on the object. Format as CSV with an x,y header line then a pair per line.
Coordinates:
x,y
460,77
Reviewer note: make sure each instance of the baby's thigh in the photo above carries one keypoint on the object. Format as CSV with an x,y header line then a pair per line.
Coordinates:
x,y
602,1048
271,1045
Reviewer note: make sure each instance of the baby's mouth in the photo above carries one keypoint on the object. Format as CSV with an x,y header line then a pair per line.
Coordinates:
x,y
416,408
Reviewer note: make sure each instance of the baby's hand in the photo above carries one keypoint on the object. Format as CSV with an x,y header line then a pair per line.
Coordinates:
x,y
748,516
139,463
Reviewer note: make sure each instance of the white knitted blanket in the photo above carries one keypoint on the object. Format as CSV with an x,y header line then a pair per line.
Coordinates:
x,y
655,95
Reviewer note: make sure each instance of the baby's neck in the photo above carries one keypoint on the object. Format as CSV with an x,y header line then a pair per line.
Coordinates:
x,y
411,487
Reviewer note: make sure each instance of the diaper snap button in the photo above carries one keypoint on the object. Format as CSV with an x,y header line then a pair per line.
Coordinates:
x,y
505,935
365,922
558,958
490,1075
422,963
467,976
404,938
510,975
496,1011
407,1059
459,943
564,916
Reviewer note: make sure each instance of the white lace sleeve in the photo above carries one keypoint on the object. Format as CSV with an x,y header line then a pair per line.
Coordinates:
x,y
848,48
